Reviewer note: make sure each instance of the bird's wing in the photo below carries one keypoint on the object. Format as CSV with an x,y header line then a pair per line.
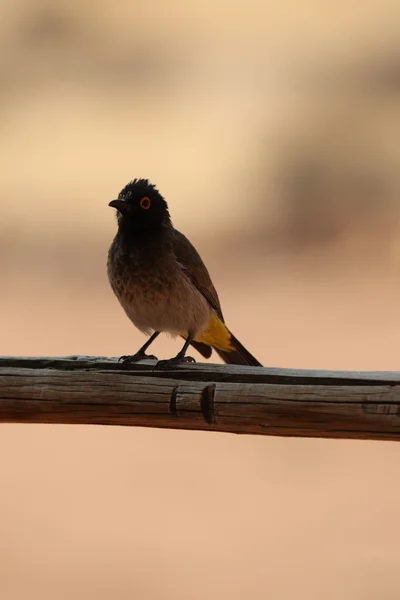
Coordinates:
x,y
195,269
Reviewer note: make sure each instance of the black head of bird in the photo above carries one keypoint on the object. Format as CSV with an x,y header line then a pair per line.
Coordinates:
x,y
141,207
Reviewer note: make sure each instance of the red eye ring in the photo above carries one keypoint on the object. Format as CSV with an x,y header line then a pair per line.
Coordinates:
x,y
145,203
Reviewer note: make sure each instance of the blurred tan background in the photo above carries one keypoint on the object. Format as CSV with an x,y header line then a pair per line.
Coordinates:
x,y
273,130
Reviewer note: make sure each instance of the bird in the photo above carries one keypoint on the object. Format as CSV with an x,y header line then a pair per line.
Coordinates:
x,y
162,283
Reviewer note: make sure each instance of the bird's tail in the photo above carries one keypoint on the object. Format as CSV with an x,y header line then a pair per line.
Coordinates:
x,y
238,355
218,337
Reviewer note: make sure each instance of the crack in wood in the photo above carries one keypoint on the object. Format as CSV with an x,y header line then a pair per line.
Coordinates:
x,y
172,401
207,403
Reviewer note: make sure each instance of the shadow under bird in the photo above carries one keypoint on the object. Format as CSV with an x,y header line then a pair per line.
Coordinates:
x,y
161,282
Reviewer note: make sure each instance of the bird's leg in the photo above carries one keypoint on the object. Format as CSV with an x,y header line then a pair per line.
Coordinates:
x,y
141,353
180,357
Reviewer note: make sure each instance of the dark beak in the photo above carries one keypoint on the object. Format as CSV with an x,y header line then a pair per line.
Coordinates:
x,y
121,206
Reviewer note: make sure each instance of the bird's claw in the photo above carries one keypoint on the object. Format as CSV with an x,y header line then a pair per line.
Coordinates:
x,y
188,359
131,358
170,362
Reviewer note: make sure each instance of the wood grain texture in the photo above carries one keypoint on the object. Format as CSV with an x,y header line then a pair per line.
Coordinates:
x,y
250,400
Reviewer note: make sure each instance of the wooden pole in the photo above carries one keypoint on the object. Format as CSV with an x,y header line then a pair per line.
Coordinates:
x,y
250,400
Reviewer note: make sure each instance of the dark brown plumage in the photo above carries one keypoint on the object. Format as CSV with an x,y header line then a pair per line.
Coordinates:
x,y
161,281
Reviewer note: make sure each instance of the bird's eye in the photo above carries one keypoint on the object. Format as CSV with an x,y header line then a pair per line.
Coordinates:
x,y
145,203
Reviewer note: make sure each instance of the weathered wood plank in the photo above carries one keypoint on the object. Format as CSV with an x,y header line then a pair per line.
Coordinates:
x,y
284,402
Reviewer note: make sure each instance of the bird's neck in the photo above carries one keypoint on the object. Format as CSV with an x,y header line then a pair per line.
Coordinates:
x,y
147,239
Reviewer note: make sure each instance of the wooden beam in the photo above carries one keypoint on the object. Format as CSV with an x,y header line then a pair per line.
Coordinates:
x,y
250,400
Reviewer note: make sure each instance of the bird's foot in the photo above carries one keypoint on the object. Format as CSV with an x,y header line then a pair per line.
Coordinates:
x,y
131,358
170,362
